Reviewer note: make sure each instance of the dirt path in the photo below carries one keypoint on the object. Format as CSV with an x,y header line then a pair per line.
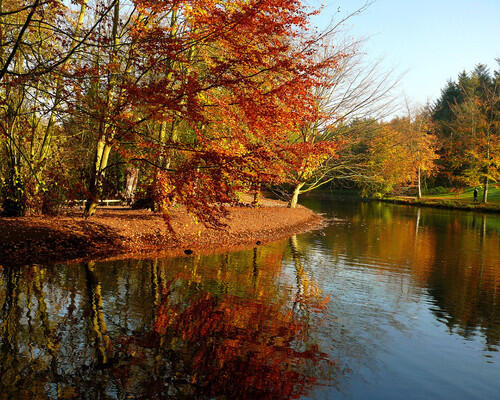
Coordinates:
x,y
121,233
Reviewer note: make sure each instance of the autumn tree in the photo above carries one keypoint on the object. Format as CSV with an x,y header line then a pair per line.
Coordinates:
x,y
388,163
467,119
398,153
419,144
37,42
352,91
203,95
202,92
22,101
477,123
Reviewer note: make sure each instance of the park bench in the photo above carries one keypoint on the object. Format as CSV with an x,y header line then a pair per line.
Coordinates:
x,y
108,202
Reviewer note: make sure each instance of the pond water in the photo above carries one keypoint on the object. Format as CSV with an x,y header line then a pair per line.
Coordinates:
x,y
386,302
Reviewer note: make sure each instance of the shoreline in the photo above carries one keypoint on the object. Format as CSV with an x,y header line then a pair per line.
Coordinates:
x,y
443,204
118,233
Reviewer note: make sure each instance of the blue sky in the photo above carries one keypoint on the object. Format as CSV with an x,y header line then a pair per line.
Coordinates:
x,y
430,40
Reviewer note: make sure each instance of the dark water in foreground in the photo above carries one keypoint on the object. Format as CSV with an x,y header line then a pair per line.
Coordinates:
x,y
387,302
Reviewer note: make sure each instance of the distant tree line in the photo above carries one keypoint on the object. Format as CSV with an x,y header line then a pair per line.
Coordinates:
x,y
453,143
466,119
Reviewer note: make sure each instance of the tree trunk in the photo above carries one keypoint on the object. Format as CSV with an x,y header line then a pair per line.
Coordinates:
x,y
14,204
419,193
295,196
163,162
106,131
485,192
95,188
256,195
132,176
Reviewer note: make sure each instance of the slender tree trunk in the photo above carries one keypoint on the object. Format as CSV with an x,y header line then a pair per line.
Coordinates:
x,y
295,196
14,188
2,33
419,193
485,192
106,131
132,174
163,162
95,188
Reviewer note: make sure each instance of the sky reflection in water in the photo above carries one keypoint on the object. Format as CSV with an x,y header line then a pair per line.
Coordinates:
x,y
387,301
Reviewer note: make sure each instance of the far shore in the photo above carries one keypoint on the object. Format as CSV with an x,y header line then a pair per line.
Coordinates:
x,y
119,232
444,203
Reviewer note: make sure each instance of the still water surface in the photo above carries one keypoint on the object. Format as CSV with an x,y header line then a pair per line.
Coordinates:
x,y
386,302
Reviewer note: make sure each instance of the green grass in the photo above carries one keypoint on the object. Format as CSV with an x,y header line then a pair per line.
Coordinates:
x,y
463,200
467,196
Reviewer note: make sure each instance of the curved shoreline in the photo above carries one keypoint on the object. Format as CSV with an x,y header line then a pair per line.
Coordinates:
x,y
123,233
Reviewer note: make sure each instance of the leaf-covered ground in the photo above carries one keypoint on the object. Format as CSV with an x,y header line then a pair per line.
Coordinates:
x,y
122,232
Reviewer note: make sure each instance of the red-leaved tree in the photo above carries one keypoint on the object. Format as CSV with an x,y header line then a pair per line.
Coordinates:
x,y
205,92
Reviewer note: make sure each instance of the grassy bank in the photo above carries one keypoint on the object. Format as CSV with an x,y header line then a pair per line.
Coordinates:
x,y
453,199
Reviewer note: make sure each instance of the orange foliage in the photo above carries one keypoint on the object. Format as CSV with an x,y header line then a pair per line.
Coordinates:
x,y
237,76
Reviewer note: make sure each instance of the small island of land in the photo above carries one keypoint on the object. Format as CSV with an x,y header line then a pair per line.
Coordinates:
x,y
122,232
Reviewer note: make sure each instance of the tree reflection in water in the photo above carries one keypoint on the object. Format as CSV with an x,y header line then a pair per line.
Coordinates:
x,y
452,255
255,324
467,294
218,326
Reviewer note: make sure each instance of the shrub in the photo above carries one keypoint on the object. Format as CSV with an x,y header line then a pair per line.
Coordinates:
x,y
437,190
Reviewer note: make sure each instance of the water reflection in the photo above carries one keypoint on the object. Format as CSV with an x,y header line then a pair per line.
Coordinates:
x,y
171,328
467,293
417,294
385,300
454,256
